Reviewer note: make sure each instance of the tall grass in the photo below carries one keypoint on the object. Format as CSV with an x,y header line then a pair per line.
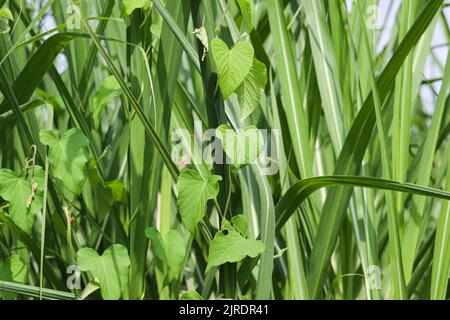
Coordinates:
x,y
105,192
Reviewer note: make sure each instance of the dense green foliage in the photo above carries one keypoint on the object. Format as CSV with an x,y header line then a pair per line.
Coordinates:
x,y
239,149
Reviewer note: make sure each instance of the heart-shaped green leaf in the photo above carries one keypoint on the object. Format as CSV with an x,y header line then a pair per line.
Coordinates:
x,y
109,269
6,13
233,64
249,92
194,191
229,245
176,252
242,148
23,195
68,156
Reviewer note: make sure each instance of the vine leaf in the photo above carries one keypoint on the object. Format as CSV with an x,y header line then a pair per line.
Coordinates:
x,y
24,196
191,295
12,270
194,191
229,245
169,251
110,270
68,156
250,91
233,64
202,36
243,147
6,14
131,5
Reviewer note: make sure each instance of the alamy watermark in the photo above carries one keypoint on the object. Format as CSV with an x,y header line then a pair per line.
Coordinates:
x,y
373,277
73,281
74,17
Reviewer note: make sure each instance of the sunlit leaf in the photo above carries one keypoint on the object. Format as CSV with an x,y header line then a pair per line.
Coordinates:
x,y
243,147
109,89
240,223
6,13
194,191
24,195
248,12
68,156
12,270
250,91
233,64
191,295
131,5
229,245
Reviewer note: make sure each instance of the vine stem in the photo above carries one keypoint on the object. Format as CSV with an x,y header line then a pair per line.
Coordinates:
x,y
44,209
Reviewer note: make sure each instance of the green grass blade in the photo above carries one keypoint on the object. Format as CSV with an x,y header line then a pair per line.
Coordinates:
x,y
35,292
290,88
326,70
353,151
187,46
399,286
302,189
424,170
150,130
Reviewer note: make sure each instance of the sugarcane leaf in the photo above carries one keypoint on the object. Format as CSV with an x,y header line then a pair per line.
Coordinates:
x,y
244,147
194,191
290,88
178,33
304,188
5,14
229,245
110,269
24,195
233,64
68,156
250,91
191,295
118,191
441,254
247,8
